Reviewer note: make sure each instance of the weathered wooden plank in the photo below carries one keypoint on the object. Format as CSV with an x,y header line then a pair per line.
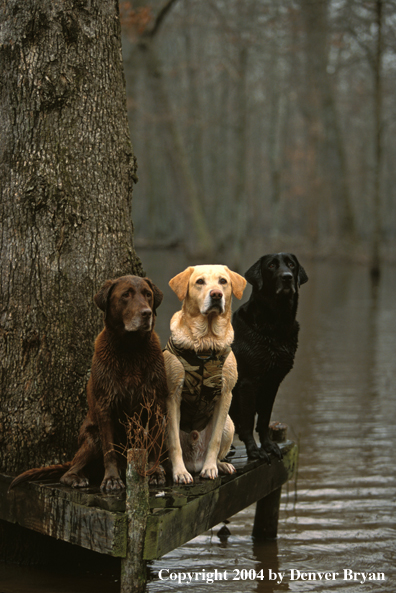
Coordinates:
x,y
168,529
97,521
89,497
41,508
167,499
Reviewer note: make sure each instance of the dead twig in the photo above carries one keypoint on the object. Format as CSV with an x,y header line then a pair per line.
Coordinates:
x,y
146,429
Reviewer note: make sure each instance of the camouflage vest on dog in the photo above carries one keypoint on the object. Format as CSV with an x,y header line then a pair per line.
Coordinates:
x,y
202,384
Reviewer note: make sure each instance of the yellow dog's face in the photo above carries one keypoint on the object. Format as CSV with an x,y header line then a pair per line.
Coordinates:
x,y
208,289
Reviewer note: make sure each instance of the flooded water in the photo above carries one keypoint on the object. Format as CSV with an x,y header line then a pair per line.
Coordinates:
x,y
338,516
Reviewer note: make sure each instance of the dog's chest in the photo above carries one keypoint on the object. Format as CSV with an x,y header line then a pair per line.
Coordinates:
x,y
273,350
130,386
202,387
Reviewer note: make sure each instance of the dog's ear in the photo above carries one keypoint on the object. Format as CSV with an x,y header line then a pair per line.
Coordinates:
x,y
302,275
179,284
158,294
238,283
254,275
102,296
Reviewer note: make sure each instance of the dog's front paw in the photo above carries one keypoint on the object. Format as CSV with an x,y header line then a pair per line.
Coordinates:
x,y
252,450
112,484
210,472
182,477
269,448
74,480
226,468
157,477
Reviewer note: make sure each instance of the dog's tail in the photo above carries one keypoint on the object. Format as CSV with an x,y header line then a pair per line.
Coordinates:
x,y
41,473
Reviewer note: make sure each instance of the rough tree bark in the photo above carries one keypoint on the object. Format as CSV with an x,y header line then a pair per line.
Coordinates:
x,y
66,171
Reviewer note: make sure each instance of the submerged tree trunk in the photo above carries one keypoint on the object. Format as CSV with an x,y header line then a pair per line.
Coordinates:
x,y
199,241
241,141
188,195
327,164
375,268
66,172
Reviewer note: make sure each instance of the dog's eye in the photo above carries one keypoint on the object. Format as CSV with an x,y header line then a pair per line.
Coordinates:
x,y
126,294
291,265
271,266
222,281
200,281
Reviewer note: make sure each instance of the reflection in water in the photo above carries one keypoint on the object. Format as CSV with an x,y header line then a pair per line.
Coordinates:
x,y
339,403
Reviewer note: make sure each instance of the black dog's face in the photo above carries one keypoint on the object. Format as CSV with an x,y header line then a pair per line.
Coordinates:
x,y
280,272
277,274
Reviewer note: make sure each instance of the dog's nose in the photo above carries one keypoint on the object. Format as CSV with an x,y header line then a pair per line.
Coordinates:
x,y
216,294
145,313
287,276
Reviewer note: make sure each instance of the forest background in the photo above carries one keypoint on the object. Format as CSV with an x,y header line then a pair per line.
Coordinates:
x,y
256,121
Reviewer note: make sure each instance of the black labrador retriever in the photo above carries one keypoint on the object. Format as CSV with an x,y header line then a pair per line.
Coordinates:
x,y
266,337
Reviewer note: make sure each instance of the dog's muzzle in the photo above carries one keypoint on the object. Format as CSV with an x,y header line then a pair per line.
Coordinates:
x,y
214,301
286,283
141,322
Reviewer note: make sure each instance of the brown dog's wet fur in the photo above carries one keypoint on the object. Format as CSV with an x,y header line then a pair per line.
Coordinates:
x,y
127,368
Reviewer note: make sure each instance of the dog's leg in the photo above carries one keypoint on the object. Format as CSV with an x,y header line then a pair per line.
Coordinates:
x,y
264,410
226,442
219,422
75,477
175,380
88,451
180,473
210,468
112,480
248,392
155,469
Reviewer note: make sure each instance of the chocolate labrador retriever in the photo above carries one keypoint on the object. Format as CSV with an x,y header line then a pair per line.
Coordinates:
x,y
266,337
127,368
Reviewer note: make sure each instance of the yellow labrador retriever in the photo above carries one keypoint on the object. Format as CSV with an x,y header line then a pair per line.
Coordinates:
x,y
201,371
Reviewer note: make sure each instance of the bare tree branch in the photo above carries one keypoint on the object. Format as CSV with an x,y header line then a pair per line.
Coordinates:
x,y
160,18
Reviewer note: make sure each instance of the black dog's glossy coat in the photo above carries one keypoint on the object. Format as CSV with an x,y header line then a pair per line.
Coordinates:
x,y
266,337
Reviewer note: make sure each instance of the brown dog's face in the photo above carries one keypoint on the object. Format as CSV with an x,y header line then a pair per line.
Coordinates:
x,y
208,289
129,303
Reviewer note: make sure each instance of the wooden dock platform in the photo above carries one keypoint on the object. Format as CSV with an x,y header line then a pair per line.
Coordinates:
x,y
174,515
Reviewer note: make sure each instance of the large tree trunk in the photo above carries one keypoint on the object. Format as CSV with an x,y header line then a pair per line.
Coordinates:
x,y
66,172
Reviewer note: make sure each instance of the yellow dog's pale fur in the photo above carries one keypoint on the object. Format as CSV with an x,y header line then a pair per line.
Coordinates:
x,y
201,326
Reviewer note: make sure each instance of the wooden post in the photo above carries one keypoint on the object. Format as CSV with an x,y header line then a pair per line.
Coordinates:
x,y
267,508
267,515
133,566
278,432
